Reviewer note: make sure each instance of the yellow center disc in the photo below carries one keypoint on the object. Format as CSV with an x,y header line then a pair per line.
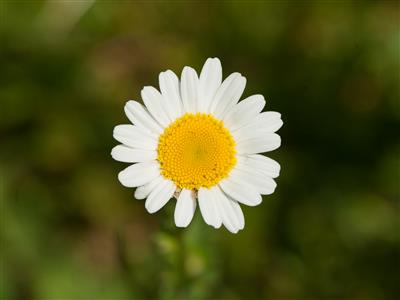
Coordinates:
x,y
196,151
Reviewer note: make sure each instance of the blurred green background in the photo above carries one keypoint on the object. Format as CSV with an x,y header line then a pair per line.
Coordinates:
x,y
69,230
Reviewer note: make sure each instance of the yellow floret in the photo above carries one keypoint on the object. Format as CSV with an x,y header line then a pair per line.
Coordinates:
x,y
196,151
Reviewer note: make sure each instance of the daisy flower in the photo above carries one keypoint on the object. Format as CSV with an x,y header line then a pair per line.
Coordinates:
x,y
195,141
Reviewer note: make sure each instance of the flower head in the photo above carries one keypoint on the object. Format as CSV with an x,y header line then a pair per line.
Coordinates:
x,y
196,142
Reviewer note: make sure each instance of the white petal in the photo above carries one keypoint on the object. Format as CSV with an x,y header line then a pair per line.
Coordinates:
x,y
262,184
160,196
139,116
127,154
155,104
260,164
136,137
139,174
185,208
229,217
244,112
143,191
189,89
169,86
210,80
208,207
238,211
269,121
228,94
242,193
257,143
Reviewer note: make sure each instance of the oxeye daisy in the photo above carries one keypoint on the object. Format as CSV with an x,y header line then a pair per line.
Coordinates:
x,y
195,141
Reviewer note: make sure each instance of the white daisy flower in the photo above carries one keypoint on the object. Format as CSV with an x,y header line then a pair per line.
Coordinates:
x,y
196,142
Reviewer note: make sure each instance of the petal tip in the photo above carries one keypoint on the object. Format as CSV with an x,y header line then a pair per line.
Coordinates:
x,y
121,179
